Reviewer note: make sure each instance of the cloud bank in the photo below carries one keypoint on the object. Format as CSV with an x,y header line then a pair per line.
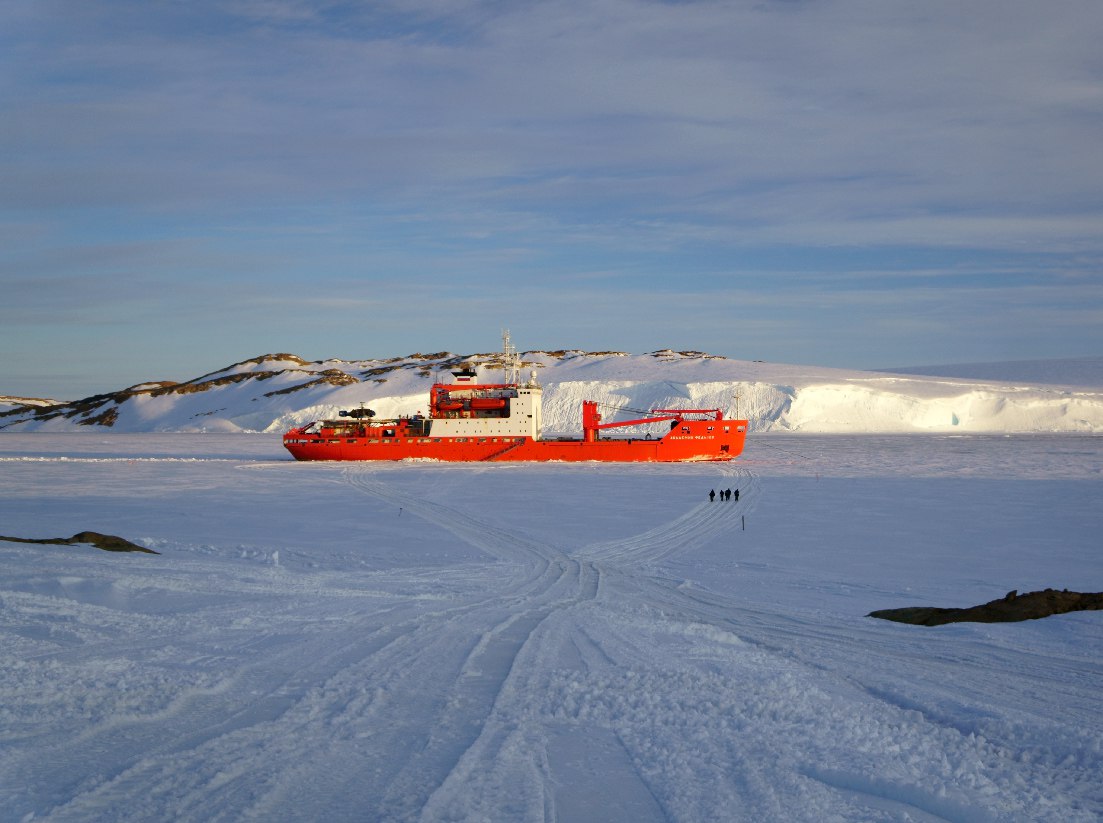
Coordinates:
x,y
859,183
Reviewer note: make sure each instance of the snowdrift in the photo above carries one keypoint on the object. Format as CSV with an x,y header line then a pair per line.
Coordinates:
x,y
273,392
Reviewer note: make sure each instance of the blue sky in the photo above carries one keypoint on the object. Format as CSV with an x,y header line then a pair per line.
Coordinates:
x,y
858,184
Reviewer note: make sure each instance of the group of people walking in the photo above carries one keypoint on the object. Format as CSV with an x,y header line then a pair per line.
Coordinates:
x,y
725,494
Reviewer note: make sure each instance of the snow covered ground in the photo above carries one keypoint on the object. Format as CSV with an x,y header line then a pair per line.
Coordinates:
x,y
548,642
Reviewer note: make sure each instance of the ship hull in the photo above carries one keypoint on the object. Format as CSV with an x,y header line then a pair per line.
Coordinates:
x,y
471,422
692,441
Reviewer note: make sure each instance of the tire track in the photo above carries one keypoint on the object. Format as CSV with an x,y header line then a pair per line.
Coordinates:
x,y
185,747
463,730
691,530
467,671
461,710
522,632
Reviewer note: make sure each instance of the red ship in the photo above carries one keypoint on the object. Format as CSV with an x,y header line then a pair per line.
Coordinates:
x,y
469,421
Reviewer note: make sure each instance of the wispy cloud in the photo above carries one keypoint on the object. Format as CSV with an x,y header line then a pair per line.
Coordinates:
x,y
630,145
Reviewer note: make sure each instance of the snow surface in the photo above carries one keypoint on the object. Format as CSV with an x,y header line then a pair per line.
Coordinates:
x,y
581,642
274,394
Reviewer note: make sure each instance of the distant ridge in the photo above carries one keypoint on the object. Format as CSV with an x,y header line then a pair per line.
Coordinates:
x,y
274,392
1077,371
28,402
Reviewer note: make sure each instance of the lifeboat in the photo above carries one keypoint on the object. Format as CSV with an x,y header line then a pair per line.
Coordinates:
x,y
484,403
450,405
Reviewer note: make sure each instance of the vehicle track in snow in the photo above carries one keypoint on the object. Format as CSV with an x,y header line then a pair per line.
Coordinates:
x,y
488,717
487,699
423,677
507,625
549,629
517,652
699,525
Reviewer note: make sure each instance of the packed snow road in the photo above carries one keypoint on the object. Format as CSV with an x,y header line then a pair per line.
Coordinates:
x,y
431,642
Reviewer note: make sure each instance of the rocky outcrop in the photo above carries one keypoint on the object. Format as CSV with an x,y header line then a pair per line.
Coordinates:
x,y
107,542
1010,608
329,377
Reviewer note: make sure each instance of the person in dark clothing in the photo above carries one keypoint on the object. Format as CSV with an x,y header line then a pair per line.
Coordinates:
x,y
737,494
712,495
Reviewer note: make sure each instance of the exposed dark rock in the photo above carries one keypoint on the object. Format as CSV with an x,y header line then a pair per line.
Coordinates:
x,y
200,385
690,354
150,385
379,370
104,418
255,361
107,542
333,377
1010,608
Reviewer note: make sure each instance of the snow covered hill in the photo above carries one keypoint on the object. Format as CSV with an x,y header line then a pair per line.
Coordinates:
x,y
272,392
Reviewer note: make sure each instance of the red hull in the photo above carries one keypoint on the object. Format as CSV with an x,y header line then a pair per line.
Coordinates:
x,y
692,440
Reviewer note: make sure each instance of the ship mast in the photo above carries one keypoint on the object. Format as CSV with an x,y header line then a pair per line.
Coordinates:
x,y
511,363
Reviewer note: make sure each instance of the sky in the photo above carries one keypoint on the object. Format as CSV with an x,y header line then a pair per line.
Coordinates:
x,y
849,183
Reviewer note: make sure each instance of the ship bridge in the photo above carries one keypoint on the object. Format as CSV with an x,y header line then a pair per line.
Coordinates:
x,y
466,408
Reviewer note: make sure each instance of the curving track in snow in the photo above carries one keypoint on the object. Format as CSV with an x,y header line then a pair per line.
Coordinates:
x,y
542,681
696,527
576,678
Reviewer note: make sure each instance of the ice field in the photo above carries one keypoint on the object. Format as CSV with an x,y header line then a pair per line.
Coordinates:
x,y
548,642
